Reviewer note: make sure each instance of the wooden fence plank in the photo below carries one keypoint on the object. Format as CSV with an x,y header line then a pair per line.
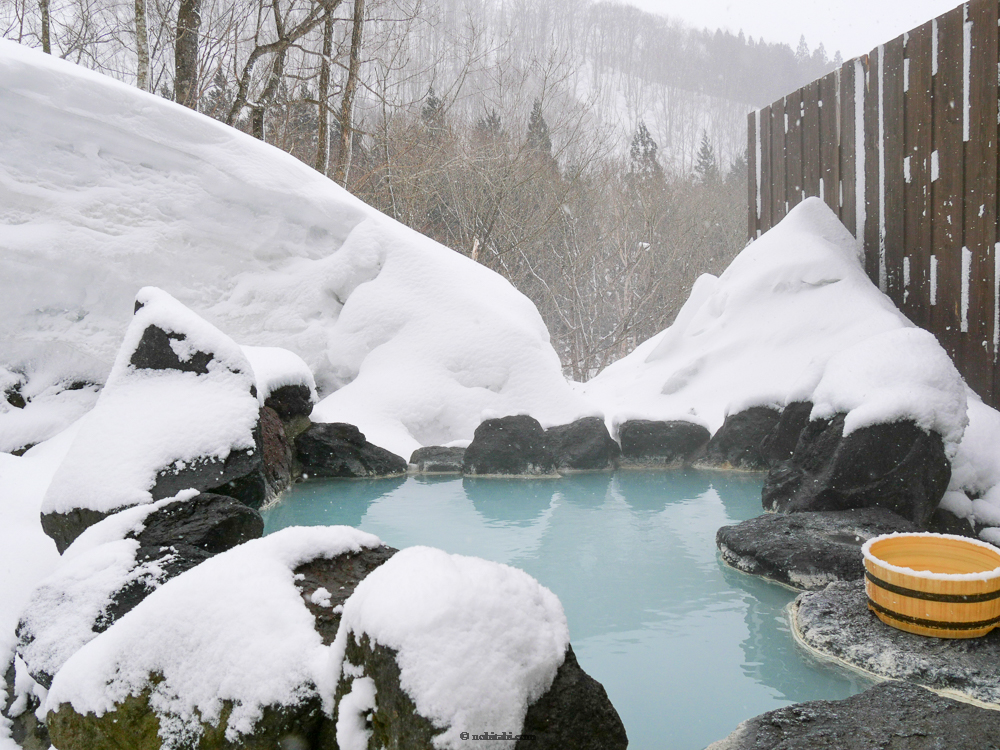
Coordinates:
x,y
848,149
948,166
751,175
765,170
892,164
779,196
793,149
980,201
874,246
829,139
811,169
917,139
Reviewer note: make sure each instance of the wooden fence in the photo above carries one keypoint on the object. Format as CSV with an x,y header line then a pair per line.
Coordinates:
x,y
902,145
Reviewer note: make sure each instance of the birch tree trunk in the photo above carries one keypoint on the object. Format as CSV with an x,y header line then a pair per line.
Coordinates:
x,y
186,53
141,46
43,6
347,104
323,128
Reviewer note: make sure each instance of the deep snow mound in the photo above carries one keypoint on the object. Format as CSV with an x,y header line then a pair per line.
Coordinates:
x,y
105,189
793,318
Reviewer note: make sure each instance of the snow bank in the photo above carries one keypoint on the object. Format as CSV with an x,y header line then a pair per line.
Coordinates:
x,y
147,420
234,629
44,416
106,189
26,554
794,317
477,641
274,367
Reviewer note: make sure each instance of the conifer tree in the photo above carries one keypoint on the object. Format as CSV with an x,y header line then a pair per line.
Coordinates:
x,y
642,154
538,131
432,114
706,165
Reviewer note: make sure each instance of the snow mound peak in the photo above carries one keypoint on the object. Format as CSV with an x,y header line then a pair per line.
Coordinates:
x,y
793,318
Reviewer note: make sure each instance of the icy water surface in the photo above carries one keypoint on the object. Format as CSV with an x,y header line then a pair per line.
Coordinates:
x,y
686,647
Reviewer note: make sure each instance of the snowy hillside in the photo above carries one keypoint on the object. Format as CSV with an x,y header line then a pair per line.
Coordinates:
x,y
105,189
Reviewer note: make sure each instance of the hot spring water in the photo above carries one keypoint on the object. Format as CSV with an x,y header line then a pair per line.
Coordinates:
x,y
686,647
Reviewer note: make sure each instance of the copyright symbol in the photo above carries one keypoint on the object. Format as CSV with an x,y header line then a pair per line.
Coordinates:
x,y
464,735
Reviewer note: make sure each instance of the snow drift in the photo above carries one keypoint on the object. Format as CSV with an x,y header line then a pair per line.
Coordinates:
x,y
105,189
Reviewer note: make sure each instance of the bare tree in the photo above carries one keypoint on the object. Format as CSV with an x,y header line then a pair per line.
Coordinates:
x,y
186,53
347,102
141,46
43,7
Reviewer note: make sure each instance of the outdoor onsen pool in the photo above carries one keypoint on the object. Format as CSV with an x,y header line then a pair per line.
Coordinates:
x,y
686,647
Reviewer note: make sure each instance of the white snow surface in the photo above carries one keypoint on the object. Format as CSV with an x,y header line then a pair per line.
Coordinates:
x,y
26,554
105,189
477,641
44,416
234,628
274,367
794,317
148,420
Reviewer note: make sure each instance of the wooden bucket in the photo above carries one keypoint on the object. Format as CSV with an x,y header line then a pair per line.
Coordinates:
x,y
933,584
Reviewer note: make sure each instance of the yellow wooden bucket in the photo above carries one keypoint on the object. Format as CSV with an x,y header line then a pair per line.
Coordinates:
x,y
933,584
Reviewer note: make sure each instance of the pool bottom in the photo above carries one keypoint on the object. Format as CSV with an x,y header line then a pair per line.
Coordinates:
x,y
686,647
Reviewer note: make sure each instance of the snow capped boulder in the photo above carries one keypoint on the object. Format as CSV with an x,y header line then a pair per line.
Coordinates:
x,y
434,648
179,411
340,450
583,445
647,442
227,655
514,446
285,384
37,405
117,563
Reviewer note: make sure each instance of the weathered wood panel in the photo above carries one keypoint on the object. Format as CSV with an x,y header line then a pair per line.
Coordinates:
x,y
918,145
874,245
779,196
766,173
793,149
811,154
752,175
829,140
848,147
891,195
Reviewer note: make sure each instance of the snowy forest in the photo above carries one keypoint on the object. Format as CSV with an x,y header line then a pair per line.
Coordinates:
x,y
591,153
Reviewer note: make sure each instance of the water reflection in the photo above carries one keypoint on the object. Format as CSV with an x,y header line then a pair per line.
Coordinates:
x,y
653,613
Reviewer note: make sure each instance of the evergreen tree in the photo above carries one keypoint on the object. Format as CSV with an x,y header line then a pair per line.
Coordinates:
x,y
837,59
490,128
706,165
538,131
642,154
432,114
802,51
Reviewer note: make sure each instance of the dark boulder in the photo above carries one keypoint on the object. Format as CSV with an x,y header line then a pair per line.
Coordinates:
x,y
337,449
509,446
174,539
326,582
290,401
154,352
836,623
25,729
436,459
806,550
583,445
649,443
740,442
895,466
575,712
890,715
276,453
780,444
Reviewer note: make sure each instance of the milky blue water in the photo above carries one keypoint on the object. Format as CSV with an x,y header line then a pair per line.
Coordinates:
x,y
686,647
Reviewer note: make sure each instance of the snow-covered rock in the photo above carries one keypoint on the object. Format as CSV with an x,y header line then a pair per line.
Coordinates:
x,y
434,645
227,654
107,189
341,450
509,446
178,412
583,445
115,564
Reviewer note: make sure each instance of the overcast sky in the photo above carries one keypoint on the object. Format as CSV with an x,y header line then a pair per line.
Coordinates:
x,y
852,26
